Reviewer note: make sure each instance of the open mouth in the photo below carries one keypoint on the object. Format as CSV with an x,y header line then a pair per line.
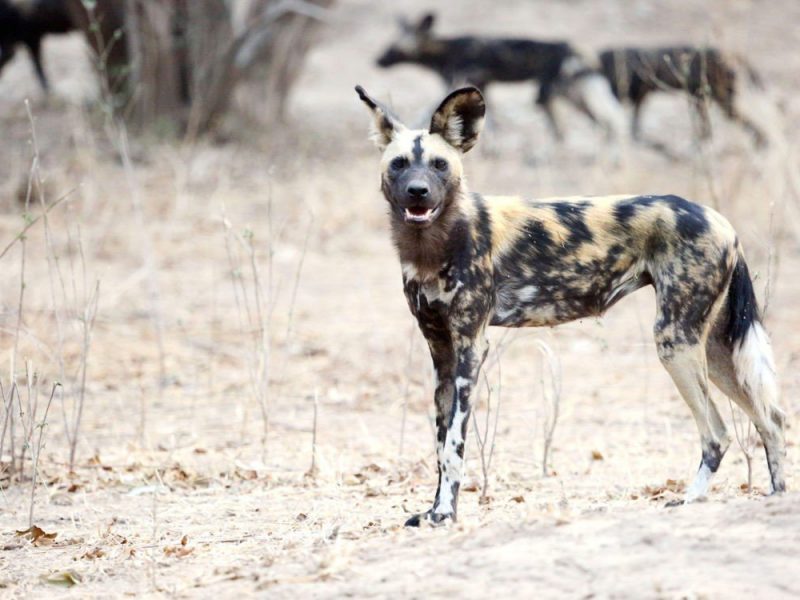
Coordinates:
x,y
420,214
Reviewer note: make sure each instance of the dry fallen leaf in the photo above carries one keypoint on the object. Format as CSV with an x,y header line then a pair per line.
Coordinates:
x,y
65,578
247,474
94,553
178,551
354,479
659,492
37,535
518,499
597,455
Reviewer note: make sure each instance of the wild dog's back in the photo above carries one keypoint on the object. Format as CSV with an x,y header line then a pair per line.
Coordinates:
x,y
561,259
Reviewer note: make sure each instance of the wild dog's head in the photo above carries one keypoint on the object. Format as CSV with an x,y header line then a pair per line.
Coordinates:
x,y
421,170
414,38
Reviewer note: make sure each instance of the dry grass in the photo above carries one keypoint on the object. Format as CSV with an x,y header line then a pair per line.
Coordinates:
x,y
294,312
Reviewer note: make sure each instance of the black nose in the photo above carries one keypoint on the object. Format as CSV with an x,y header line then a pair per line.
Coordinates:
x,y
417,190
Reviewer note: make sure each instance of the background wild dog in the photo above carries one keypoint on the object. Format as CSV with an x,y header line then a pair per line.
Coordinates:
x,y
471,261
27,24
704,74
483,60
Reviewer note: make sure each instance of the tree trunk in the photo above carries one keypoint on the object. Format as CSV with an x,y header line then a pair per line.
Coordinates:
x,y
174,64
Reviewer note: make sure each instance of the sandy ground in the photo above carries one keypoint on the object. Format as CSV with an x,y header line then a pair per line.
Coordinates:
x,y
177,491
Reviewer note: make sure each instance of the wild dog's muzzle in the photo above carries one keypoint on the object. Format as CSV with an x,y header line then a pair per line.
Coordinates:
x,y
389,58
419,208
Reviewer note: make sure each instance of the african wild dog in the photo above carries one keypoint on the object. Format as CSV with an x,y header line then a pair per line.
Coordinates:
x,y
704,74
483,60
470,261
27,23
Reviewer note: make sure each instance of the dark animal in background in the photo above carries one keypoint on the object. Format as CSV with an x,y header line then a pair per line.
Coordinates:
x,y
705,74
483,60
26,23
470,261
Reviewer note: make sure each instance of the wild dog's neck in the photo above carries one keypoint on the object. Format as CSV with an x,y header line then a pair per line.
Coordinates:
x,y
424,252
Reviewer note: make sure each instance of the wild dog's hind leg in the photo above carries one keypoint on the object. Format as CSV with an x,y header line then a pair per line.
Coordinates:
x,y
544,99
746,374
700,104
686,364
691,288
636,120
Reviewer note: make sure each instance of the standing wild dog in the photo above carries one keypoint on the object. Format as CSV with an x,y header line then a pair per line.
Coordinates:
x,y
470,261
704,74
483,60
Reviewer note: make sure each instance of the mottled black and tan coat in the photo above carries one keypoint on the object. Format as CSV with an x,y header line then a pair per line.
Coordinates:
x,y
470,261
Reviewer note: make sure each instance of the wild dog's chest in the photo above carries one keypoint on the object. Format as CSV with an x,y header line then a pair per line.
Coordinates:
x,y
453,303
432,298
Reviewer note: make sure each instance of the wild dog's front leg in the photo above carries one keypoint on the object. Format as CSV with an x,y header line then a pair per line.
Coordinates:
x,y
469,355
444,366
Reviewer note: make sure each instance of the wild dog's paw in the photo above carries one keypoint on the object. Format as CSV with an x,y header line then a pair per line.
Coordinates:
x,y
434,519
777,489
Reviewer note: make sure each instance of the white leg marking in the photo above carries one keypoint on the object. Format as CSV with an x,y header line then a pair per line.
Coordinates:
x,y
699,486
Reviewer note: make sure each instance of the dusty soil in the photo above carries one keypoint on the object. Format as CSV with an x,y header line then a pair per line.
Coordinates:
x,y
177,489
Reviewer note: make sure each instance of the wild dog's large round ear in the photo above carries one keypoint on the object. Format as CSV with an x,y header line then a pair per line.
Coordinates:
x,y
425,24
459,118
384,125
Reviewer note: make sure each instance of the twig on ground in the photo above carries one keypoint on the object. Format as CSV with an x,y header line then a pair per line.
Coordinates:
x,y
406,391
552,400
312,470
38,452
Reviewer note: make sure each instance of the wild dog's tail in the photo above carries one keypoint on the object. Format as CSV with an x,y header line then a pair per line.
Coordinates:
x,y
752,351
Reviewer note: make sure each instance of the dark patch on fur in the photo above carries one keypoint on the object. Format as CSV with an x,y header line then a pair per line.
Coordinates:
x,y
572,216
627,209
712,456
690,218
417,150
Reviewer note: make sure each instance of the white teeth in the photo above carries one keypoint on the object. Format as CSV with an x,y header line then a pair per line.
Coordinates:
x,y
426,216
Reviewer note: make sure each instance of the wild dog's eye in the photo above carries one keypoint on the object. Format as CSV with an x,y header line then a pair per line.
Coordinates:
x,y
399,163
440,164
